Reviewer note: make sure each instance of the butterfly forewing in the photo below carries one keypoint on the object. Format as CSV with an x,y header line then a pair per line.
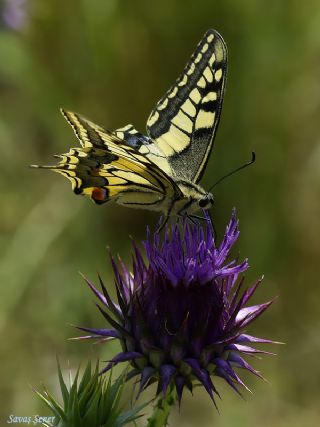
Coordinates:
x,y
184,121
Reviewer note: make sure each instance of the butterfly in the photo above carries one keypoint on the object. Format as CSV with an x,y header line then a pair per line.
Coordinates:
x,y
160,171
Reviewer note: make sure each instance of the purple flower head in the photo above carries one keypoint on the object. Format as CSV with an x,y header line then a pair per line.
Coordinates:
x,y
14,14
181,315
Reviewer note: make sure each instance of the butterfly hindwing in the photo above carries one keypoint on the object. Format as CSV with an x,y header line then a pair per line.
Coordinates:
x,y
105,168
184,121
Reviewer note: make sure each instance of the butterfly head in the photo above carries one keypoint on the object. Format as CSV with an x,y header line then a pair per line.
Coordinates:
x,y
192,198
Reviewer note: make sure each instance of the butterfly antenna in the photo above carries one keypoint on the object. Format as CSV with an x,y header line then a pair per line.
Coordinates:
x,y
253,159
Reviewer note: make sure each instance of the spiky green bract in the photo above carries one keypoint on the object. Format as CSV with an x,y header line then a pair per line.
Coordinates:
x,y
181,315
90,401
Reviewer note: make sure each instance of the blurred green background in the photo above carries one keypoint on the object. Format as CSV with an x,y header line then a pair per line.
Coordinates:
x,y
111,60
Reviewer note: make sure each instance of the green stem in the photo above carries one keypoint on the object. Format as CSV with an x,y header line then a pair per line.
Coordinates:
x,y
162,409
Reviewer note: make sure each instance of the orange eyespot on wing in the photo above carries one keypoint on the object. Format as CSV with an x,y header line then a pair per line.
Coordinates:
x,y
99,195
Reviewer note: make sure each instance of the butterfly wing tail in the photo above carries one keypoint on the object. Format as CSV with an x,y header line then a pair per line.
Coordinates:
x,y
85,173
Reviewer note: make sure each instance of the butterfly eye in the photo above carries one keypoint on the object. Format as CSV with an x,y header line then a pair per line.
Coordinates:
x,y
203,202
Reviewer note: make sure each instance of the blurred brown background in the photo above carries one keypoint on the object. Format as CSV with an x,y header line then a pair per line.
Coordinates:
x,y
111,60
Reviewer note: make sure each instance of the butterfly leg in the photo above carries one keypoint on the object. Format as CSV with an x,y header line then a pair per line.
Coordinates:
x,y
190,218
163,222
210,221
197,217
213,226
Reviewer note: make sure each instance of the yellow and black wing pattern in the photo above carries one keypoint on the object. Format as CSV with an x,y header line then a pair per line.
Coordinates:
x,y
160,169
106,168
183,123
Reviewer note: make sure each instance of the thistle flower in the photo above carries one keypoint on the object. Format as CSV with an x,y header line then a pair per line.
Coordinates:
x,y
181,315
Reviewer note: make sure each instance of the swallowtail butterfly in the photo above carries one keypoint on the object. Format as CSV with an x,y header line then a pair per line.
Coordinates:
x,y
159,171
